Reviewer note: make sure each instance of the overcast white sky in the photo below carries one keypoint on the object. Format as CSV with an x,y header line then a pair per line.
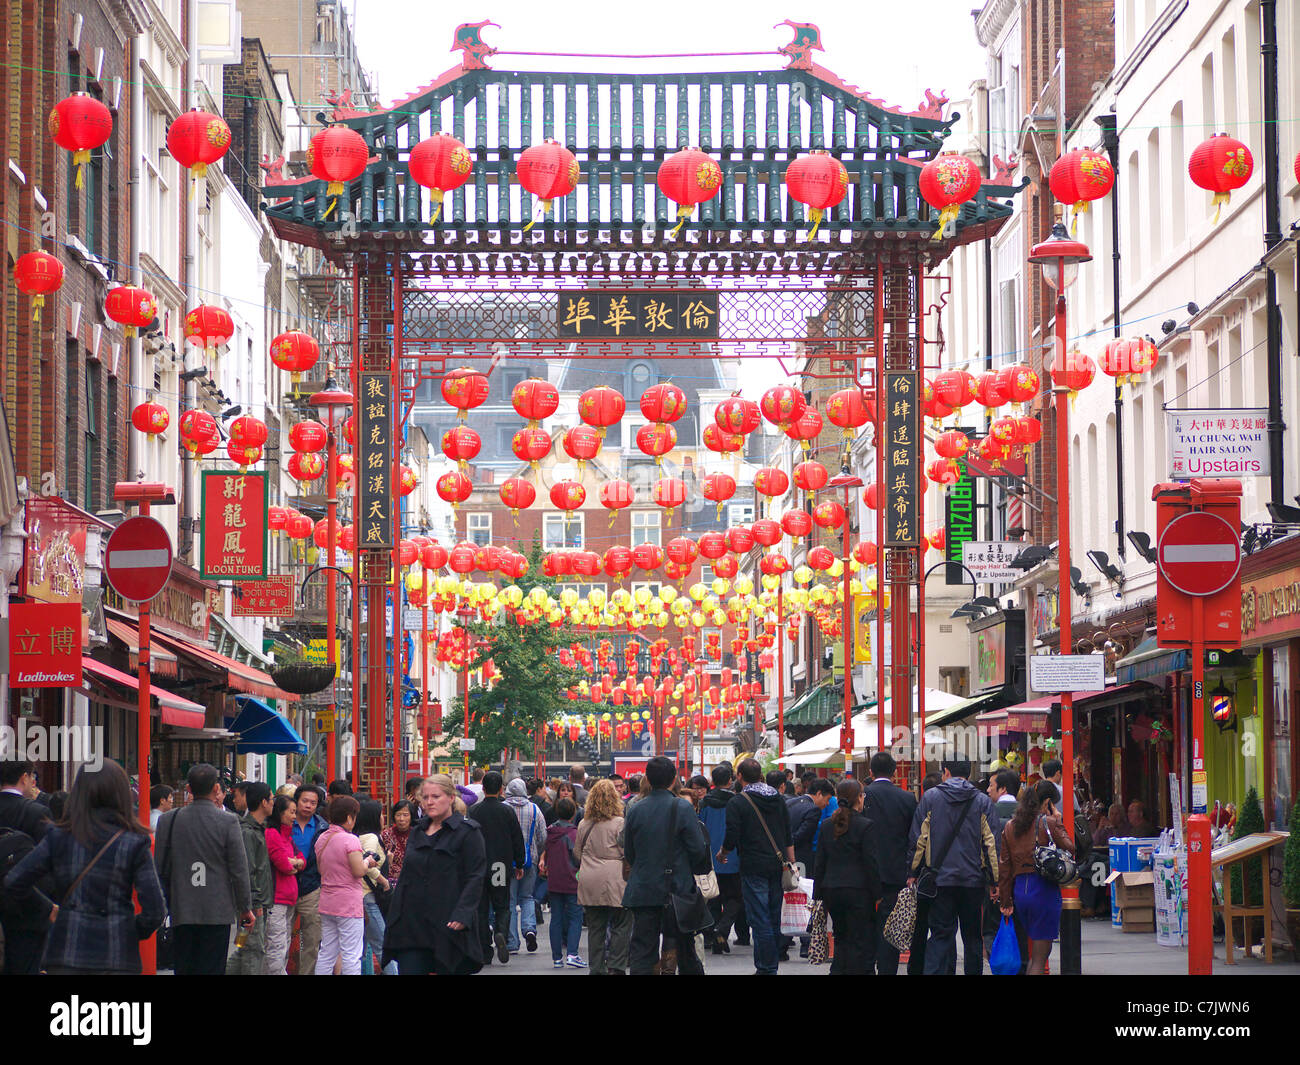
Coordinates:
x,y
893,49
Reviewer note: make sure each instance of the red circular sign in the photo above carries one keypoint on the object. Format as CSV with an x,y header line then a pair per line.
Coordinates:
x,y
1199,553
138,559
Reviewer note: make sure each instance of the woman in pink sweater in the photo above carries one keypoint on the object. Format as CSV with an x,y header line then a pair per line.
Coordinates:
x,y
285,863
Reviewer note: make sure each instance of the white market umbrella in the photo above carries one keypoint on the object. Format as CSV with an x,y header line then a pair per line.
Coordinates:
x,y
825,746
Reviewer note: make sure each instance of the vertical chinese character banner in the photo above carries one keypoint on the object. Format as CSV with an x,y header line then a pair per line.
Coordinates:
x,y
374,519
959,522
235,528
902,456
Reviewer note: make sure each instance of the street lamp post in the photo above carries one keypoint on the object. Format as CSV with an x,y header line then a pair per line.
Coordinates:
x,y
1059,256
848,482
699,667
327,402
465,614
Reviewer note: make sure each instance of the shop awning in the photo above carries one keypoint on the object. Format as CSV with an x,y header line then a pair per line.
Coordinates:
x,y
173,709
1119,693
161,661
819,705
824,748
950,715
262,730
239,677
1148,659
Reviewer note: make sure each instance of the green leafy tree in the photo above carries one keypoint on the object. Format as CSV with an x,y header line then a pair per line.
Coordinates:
x,y
529,689
1291,861
1250,819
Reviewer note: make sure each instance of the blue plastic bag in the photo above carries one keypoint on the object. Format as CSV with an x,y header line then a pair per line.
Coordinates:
x,y
1004,955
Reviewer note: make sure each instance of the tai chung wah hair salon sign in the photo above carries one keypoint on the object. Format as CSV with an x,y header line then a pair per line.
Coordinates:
x,y
1218,443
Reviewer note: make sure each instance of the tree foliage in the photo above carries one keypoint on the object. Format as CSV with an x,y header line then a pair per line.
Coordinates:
x,y
1291,861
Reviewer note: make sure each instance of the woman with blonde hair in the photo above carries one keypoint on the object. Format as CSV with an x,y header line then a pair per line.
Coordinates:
x,y
433,915
599,850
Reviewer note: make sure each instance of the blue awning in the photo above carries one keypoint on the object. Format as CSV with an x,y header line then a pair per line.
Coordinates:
x,y
1148,659
262,730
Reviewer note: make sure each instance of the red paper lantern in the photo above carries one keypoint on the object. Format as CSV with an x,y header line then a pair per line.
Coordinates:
x,y
243,457
549,171
531,445
683,550
582,442
461,444
247,431
796,524
1003,430
774,564
946,182
737,416
807,427
1028,431
943,471
1220,165
601,407
585,563
1128,360
295,352
718,488
517,493
990,391
535,399
1020,383
688,177
568,495
1073,371
433,555
829,515
931,405
151,418
952,444
1079,177
308,436
648,557
848,410
771,481
616,495
131,307
783,405
298,526
663,403
407,482
198,430
454,487
37,274
722,442
819,181
937,540
656,439
810,476
464,388
871,496
739,539
208,327
276,517
320,535
669,493
821,559
954,388
766,532
618,560
337,155
713,545
440,164
79,123
196,140
306,466
460,559
865,553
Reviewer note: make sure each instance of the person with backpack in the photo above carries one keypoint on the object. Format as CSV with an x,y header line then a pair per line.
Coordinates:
x,y
728,904
98,860
532,826
503,842
250,958
560,865
26,921
1022,890
599,850
846,879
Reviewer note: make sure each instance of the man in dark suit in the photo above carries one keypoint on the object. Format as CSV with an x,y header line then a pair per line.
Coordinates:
x,y
26,924
890,809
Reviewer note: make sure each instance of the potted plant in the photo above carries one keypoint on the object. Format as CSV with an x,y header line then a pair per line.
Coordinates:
x,y
1248,890
294,672
1291,878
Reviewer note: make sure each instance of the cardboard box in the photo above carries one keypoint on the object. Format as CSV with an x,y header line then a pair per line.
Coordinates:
x,y
1135,890
1138,920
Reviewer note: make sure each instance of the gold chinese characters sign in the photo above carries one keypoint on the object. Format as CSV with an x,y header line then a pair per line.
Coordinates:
x,y
45,645
902,460
235,525
374,520
611,314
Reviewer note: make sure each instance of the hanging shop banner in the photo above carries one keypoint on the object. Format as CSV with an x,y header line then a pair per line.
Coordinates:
x,y
55,550
990,560
375,462
235,529
608,314
959,522
902,460
271,598
1218,442
864,617
45,645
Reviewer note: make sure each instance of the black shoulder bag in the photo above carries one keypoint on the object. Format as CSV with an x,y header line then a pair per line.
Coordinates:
x,y
690,911
927,885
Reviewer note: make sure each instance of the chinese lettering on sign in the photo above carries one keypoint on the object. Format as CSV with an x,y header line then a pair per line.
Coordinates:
x,y
234,525
45,645
374,464
272,598
1218,443
609,314
901,444
990,560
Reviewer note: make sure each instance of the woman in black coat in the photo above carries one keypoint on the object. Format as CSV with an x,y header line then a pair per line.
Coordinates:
x,y
433,916
847,880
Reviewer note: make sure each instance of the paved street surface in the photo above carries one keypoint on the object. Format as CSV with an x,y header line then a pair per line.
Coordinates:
x,y
1106,952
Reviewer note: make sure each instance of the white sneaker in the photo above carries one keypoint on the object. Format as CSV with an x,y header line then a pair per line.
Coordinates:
x,y
558,963
575,961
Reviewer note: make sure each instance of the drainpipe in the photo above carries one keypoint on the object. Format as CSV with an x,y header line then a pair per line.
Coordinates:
x,y
1272,237
134,438
1110,141
190,270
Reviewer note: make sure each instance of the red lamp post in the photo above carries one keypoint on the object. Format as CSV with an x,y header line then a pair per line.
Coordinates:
x,y
1060,256
700,662
327,402
465,615
847,482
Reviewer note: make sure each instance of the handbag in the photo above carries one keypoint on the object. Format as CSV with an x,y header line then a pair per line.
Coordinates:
x,y
789,874
796,911
81,875
690,911
708,884
927,885
901,922
1053,864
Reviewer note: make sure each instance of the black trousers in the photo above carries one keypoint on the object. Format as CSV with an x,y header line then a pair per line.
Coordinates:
x,y
920,932
852,913
23,950
953,906
882,957
414,962
648,924
727,906
200,949
494,903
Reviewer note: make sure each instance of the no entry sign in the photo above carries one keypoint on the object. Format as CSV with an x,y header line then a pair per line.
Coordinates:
x,y
1199,553
138,559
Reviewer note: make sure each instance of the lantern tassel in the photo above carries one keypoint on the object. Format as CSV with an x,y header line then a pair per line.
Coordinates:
x,y
816,215
80,157
545,210
435,197
37,303
683,213
948,214
1220,198
1079,208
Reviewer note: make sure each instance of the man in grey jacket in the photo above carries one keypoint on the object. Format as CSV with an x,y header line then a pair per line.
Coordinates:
x,y
533,826
250,959
204,871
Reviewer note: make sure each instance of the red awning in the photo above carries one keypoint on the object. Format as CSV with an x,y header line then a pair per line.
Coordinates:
x,y
161,661
174,709
1033,715
239,677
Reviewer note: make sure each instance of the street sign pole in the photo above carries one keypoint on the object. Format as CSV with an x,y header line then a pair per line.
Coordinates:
x,y
143,741
1200,920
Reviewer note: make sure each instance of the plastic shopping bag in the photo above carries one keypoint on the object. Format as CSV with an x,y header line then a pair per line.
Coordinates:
x,y
1004,955
796,909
